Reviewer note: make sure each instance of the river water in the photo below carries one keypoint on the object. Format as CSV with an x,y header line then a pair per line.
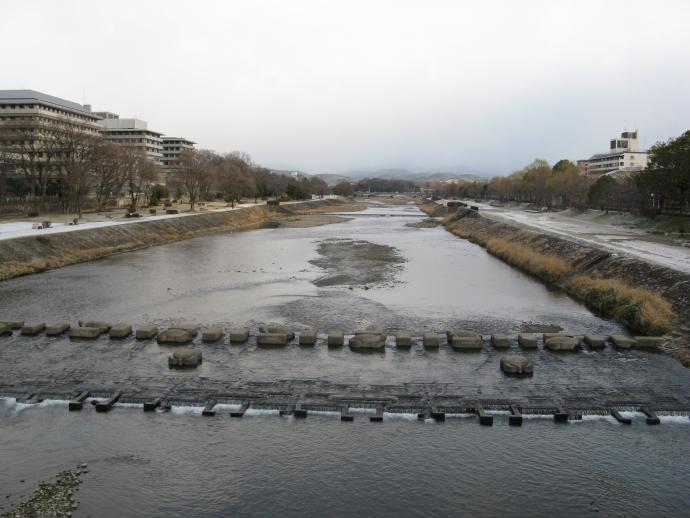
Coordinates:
x,y
179,464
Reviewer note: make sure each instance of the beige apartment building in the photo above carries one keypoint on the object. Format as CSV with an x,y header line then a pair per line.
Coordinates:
x,y
623,157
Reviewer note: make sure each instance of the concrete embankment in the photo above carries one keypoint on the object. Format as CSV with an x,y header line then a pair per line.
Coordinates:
x,y
25,255
575,264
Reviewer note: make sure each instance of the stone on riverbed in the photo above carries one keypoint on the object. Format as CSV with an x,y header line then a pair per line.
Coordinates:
x,y
595,341
369,340
648,342
500,341
185,357
84,332
403,339
239,335
463,339
57,329
336,337
562,343
431,340
278,339
175,336
307,337
120,331
622,341
103,327
528,340
32,328
516,364
12,324
212,334
146,332
275,329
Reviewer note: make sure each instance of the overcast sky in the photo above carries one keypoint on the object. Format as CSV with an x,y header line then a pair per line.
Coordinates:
x,y
331,86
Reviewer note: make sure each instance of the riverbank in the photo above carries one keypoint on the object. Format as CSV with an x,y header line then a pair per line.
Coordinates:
x,y
646,297
45,251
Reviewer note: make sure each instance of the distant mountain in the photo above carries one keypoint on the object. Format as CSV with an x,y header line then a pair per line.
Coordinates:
x,y
333,179
386,174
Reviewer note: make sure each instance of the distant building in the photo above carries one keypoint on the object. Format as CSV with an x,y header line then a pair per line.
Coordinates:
x,y
623,153
172,147
133,133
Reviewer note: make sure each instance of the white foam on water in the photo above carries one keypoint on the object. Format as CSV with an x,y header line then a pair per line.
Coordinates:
x,y
361,410
537,416
460,416
186,410
229,407
261,411
596,417
497,412
400,416
17,407
327,413
633,415
674,419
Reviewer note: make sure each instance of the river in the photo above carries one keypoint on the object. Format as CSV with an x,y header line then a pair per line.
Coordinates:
x,y
374,271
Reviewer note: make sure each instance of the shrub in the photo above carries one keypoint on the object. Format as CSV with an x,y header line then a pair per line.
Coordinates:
x,y
641,309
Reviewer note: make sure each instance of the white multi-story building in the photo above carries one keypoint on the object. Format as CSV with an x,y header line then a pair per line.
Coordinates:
x,y
133,133
623,156
172,147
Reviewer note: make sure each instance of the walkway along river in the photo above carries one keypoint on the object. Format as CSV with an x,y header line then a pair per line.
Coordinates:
x,y
369,272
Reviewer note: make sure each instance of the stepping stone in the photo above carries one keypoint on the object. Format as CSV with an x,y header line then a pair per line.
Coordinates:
x,y
12,324
175,336
190,328
431,340
120,331
622,341
5,330
84,332
648,342
275,329
403,339
562,343
279,339
57,329
595,341
368,340
500,341
516,364
212,334
307,337
336,337
546,336
185,357
32,328
528,340
146,332
103,327
463,339
239,335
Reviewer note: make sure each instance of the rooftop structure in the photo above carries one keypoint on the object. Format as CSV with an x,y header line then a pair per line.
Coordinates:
x,y
623,154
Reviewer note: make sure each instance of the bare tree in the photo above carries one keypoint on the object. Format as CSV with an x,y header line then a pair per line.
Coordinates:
x,y
109,167
192,174
140,173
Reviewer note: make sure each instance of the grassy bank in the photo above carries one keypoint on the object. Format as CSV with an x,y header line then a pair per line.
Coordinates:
x,y
548,268
640,309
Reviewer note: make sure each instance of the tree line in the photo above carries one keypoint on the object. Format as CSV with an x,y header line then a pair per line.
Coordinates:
x,y
663,187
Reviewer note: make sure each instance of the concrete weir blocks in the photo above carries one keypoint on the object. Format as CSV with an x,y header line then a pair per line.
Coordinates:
x,y
57,329
120,331
622,341
307,337
212,334
516,364
463,339
403,339
103,327
175,336
336,337
648,342
431,340
185,357
32,328
276,329
84,332
595,341
368,340
500,341
562,343
239,335
274,339
146,332
12,324
528,340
